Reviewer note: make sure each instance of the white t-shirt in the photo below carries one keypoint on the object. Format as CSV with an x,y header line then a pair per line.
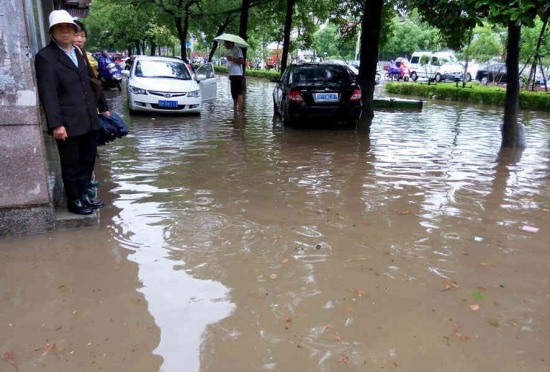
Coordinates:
x,y
235,68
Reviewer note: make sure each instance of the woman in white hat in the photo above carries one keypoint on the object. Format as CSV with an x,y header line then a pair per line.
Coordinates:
x,y
70,108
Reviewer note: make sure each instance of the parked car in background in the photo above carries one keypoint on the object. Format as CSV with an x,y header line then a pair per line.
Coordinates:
x,y
425,64
312,92
492,73
166,84
449,71
379,71
455,70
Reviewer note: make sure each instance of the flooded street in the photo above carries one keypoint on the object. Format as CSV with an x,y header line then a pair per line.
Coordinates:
x,y
238,244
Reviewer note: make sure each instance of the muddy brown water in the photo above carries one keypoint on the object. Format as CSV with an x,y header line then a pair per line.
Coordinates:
x,y
238,244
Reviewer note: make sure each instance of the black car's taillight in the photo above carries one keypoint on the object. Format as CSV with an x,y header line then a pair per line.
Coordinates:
x,y
295,96
356,96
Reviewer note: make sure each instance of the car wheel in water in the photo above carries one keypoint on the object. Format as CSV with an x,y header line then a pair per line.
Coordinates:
x,y
484,80
286,119
438,77
276,110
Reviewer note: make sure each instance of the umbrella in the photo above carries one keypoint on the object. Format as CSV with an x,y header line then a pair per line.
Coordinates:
x,y
239,41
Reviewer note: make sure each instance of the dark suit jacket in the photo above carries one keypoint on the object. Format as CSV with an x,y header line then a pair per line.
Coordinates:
x,y
65,91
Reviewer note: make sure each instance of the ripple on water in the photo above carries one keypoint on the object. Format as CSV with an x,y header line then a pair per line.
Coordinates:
x,y
242,203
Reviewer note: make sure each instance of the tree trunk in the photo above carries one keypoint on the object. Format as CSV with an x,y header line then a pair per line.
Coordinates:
x,y
370,36
181,36
153,48
512,132
243,27
185,32
221,30
286,37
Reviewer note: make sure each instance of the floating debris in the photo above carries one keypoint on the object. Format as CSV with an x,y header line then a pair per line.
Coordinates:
x,y
528,228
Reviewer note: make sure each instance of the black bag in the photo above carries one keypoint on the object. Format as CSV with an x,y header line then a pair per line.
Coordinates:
x,y
112,127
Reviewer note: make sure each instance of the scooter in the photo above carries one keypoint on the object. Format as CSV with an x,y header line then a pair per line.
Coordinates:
x,y
110,75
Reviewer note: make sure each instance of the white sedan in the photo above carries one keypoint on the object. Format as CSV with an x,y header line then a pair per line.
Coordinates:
x,y
166,84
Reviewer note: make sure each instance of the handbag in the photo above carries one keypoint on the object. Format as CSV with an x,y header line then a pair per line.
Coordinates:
x,y
112,127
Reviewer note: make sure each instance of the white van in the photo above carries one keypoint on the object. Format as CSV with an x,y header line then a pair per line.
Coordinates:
x,y
425,64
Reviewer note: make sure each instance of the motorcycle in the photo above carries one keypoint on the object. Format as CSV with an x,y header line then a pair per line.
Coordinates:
x,y
110,75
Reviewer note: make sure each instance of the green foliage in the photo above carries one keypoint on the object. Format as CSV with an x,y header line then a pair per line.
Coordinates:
x,y
409,35
473,93
329,40
487,42
262,74
529,38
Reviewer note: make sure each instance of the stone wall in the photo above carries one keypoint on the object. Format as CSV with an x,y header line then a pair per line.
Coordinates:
x,y
25,199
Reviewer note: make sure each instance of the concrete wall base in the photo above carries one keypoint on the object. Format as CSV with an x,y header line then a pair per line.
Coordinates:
x,y
28,220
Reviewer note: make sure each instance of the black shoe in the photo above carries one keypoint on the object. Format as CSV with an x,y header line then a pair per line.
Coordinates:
x,y
91,203
76,206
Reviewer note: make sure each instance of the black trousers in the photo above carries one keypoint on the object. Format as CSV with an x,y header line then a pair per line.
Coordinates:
x,y
77,155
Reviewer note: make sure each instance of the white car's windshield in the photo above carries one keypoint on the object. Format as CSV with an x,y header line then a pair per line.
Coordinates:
x,y
162,69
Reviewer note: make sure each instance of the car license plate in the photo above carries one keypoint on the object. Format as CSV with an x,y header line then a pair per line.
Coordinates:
x,y
168,103
326,97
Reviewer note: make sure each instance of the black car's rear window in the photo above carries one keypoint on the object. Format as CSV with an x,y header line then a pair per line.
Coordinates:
x,y
320,75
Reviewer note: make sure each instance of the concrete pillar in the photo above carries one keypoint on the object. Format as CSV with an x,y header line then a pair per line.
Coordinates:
x,y
25,199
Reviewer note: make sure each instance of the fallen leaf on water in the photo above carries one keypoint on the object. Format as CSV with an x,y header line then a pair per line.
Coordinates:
x,y
462,336
273,276
493,322
337,338
342,358
449,285
284,260
360,293
8,355
484,264
327,326
474,307
479,295
288,319
349,309
49,348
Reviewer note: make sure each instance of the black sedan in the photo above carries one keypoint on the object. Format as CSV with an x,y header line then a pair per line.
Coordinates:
x,y
495,72
310,92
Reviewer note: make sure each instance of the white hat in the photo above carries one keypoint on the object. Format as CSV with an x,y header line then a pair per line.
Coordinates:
x,y
61,16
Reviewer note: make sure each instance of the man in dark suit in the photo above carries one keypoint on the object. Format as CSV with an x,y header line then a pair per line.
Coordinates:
x,y
70,108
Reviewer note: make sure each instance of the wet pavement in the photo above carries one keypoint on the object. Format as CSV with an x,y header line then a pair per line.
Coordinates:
x,y
233,243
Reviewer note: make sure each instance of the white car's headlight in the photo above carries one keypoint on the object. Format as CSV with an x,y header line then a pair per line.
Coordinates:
x,y
136,90
194,93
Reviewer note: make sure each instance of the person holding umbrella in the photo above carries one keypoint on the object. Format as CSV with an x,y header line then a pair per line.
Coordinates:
x,y
236,61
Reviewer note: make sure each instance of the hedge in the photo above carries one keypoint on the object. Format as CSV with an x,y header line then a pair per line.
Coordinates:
x,y
262,74
472,93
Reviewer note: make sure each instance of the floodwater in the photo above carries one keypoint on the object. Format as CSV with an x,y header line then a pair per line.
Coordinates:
x,y
238,244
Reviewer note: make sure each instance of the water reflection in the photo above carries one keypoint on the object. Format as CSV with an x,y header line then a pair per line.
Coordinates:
x,y
246,232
